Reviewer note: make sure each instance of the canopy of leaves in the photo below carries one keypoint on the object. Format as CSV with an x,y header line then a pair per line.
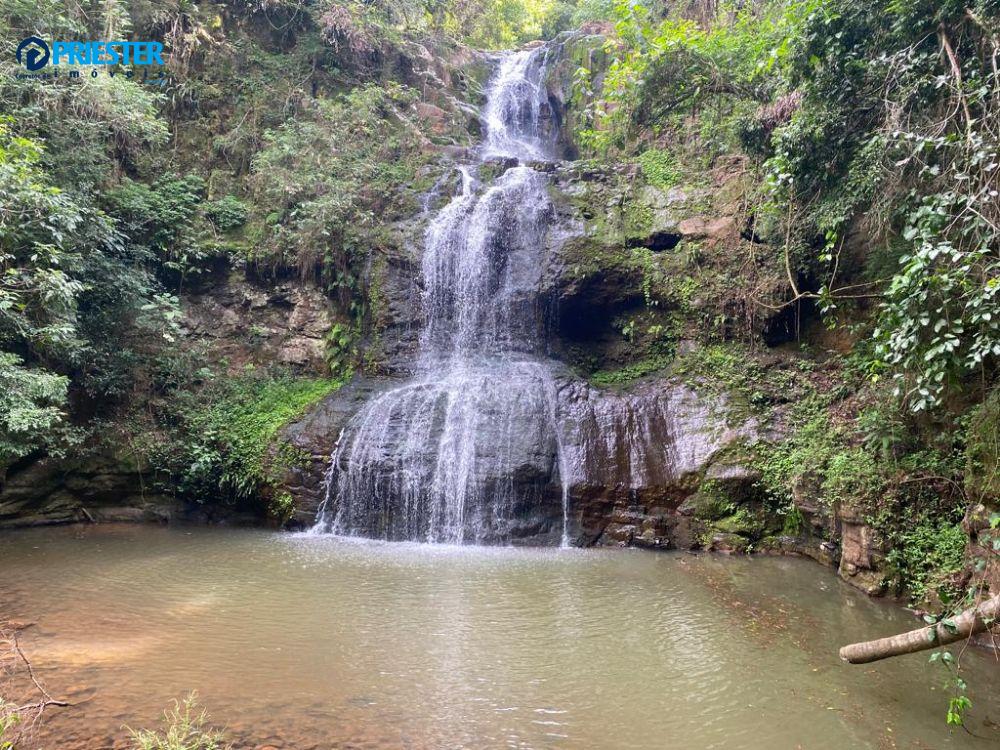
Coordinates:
x,y
854,112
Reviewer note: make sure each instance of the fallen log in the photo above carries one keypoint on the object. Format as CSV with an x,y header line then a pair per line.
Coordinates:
x,y
970,622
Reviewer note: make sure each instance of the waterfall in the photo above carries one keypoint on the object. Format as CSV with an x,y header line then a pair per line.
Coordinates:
x,y
514,108
453,453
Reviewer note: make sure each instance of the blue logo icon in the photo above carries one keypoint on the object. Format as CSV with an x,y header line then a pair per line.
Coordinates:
x,y
35,51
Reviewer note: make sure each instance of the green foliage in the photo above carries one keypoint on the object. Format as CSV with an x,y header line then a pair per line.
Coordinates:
x,y
942,310
161,218
569,14
58,311
9,720
982,453
851,476
328,179
925,123
631,372
731,370
813,452
959,702
41,239
508,23
185,727
958,706
849,107
711,502
77,294
227,213
226,443
355,28
923,556
662,65
794,523
659,168
32,406
158,214
340,351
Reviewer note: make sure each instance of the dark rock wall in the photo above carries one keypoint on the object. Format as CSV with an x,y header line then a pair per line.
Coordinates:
x,y
48,491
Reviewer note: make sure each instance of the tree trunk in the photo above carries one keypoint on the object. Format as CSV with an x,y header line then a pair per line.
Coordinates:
x,y
971,621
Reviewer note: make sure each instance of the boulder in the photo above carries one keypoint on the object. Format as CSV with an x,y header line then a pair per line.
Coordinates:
x,y
861,554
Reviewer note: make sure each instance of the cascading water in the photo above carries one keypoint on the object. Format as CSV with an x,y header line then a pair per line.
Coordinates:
x,y
514,108
451,455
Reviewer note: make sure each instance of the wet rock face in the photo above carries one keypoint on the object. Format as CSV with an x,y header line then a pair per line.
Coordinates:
x,y
398,318
524,471
463,456
315,435
630,459
634,458
656,436
100,489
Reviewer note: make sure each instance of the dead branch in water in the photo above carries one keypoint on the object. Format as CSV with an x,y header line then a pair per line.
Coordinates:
x,y
25,715
950,630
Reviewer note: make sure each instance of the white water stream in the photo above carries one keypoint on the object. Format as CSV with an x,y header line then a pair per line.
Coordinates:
x,y
445,456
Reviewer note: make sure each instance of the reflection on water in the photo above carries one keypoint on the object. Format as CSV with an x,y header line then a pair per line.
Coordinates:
x,y
311,642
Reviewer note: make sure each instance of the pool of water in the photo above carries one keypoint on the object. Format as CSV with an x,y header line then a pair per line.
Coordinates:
x,y
309,642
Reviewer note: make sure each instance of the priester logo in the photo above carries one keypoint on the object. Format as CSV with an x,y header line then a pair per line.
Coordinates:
x,y
34,53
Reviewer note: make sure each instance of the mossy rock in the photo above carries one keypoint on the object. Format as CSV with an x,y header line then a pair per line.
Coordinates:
x,y
744,522
707,504
631,372
495,168
732,544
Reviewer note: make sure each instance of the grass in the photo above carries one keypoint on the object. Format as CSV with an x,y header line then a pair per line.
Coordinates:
x,y
634,371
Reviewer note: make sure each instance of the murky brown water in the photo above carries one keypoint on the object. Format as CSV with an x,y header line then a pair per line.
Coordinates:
x,y
303,642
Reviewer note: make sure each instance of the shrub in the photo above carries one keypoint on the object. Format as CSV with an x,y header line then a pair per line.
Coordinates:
x,y
163,218
923,557
161,213
659,168
185,727
325,181
340,348
227,213
31,407
226,447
